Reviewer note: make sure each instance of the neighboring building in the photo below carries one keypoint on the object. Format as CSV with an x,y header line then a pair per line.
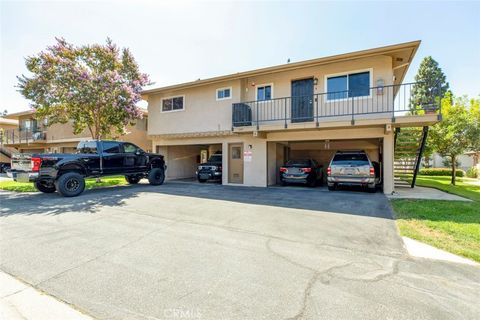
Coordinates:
x,y
6,152
260,118
36,136
465,161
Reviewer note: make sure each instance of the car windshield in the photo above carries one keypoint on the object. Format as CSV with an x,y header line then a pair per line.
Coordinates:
x,y
215,158
359,159
298,163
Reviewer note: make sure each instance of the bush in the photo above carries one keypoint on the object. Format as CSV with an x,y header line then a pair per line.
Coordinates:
x,y
472,172
441,172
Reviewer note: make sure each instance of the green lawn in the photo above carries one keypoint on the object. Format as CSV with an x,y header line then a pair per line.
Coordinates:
x,y
453,226
89,184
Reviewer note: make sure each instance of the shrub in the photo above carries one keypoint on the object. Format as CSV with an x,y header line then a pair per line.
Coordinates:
x,y
441,172
472,172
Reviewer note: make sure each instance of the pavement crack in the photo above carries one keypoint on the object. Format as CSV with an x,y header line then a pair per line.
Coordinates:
x,y
309,287
269,248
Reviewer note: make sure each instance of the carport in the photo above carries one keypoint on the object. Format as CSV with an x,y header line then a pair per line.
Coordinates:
x,y
320,150
182,160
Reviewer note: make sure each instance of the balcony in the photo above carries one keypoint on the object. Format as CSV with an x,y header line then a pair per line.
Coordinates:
x,y
381,104
22,135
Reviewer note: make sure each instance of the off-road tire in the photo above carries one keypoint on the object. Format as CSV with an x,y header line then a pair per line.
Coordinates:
x,y
70,184
132,179
156,176
44,187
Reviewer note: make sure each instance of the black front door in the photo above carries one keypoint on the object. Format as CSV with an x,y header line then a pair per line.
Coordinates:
x,y
302,100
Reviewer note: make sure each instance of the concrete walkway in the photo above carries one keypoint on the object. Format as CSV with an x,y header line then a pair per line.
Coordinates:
x,y
421,250
424,193
22,302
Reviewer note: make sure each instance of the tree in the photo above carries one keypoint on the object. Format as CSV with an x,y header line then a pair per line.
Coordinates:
x,y
474,129
429,79
450,137
94,86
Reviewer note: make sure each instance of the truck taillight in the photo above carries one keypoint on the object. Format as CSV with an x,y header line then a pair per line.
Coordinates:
x,y
283,169
329,171
36,163
372,171
306,170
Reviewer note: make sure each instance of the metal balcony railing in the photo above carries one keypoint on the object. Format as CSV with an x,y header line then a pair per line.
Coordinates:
x,y
22,135
375,102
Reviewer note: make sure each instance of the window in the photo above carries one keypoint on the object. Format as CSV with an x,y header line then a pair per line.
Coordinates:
x,y
224,93
173,104
87,147
264,92
348,86
353,159
111,147
129,148
236,153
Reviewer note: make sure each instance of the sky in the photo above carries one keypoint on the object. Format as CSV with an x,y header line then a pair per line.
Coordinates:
x,y
176,41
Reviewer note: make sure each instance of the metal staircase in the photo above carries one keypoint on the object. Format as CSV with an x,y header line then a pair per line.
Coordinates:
x,y
409,146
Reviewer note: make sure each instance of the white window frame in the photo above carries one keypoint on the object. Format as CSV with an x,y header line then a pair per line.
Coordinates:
x,y
346,73
171,97
221,89
263,85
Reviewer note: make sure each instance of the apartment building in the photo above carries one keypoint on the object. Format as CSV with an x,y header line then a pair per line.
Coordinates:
x,y
259,119
6,152
34,135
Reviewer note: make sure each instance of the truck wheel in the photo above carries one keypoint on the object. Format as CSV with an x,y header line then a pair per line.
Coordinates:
x,y
156,176
44,186
70,184
132,179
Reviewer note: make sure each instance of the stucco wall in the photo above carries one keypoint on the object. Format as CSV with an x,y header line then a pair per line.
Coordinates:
x,y
259,171
203,113
466,161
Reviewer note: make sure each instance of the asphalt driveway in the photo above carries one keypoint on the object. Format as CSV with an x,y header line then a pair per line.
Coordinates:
x,y
189,251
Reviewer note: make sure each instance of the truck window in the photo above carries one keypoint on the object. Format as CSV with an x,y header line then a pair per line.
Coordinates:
x,y
87,147
129,148
111,147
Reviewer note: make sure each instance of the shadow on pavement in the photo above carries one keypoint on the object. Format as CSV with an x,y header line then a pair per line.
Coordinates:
x,y
316,199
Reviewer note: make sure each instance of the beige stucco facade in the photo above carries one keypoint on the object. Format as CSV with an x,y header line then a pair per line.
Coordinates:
x,y
206,121
59,137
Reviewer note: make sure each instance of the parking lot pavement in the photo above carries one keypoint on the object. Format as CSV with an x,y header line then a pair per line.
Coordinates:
x,y
219,252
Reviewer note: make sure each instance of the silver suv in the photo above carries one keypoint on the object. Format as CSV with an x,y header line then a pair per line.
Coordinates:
x,y
353,168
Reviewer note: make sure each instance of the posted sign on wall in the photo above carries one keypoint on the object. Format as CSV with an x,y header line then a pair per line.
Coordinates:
x,y
247,156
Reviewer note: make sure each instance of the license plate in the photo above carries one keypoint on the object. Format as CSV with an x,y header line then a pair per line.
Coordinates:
x,y
204,176
22,177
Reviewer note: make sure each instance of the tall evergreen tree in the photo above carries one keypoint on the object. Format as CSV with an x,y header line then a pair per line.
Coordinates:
x,y
429,79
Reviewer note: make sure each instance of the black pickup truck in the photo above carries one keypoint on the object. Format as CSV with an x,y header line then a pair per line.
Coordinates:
x,y
66,173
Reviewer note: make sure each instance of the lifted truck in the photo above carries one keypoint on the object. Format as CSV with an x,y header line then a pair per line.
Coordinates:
x,y
66,173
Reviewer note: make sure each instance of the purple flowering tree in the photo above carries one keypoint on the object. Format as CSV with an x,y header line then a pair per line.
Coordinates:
x,y
95,86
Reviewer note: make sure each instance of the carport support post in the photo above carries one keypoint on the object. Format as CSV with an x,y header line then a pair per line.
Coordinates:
x,y
388,149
